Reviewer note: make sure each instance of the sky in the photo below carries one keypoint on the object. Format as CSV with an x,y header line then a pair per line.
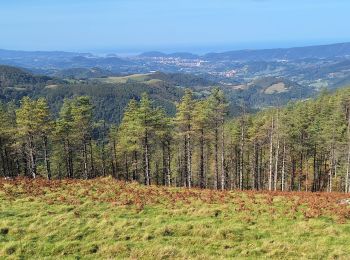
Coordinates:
x,y
198,26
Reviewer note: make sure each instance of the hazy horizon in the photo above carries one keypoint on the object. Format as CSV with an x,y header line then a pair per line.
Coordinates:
x,y
198,50
135,26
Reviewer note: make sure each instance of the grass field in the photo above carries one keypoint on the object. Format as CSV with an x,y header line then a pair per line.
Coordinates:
x,y
140,78
102,218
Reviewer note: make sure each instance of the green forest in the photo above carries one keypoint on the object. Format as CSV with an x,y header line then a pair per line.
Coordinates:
x,y
304,146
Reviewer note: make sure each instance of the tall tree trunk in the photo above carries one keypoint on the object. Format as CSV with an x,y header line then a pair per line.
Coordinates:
x,y
184,176
237,168
103,155
260,170
46,157
2,157
283,165
126,163
232,168
330,178
103,158
189,162
67,162
32,158
324,174
241,156
201,163
86,174
292,184
254,165
70,159
248,171
157,172
8,163
114,160
18,167
71,162
347,177
135,168
164,164
301,170
180,168
216,156
223,174
207,165
307,176
271,155
169,165
92,164
147,161
276,155
330,174
26,165
315,179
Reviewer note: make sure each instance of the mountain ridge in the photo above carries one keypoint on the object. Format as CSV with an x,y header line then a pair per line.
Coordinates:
x,y
333,49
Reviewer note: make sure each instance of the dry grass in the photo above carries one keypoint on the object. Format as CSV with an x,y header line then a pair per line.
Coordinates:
x,y
104,218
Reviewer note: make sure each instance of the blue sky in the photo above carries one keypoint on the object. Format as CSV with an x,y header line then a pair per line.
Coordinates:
x,y
170,25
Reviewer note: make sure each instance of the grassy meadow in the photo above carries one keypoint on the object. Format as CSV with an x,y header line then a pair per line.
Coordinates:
x,y
140,78
106,219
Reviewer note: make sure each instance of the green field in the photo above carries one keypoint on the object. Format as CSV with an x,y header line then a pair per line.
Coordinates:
x,y
139,78
103,218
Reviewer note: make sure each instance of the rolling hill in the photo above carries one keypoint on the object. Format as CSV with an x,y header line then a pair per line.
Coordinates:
x,y
12,76
297,53
109,98
111,93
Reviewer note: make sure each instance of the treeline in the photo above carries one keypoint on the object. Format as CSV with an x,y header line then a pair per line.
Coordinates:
x,y
304,146
10,76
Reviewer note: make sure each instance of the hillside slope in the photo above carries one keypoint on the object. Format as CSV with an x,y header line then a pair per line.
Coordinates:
x,y
109,98
11,76
296,53
103,218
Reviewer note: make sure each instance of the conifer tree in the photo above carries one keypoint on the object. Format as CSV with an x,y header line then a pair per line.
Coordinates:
x,y
184,122
129,142
82,127
6,140
219,107
33,127
64,139
202,127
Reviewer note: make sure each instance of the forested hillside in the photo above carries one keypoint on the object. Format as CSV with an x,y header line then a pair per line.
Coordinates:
x,y
108,98
304,146
267,92
10,76
109,94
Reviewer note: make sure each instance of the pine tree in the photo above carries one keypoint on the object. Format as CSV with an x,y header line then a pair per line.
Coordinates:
x,y
82,128
129,142
184,122
112,143
25,133
43,125
202,126
64,139
7,130
147,118
33,127
219,107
